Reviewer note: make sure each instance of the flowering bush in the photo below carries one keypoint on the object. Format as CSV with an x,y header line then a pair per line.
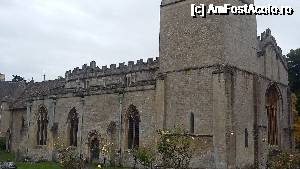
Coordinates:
x,y
278,159
68,157
175,147
107,150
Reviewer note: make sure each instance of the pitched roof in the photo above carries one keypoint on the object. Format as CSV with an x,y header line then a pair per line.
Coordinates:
x,y
9,91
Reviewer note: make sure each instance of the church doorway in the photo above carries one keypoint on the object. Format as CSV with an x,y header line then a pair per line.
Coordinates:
x,y
94,143
94,150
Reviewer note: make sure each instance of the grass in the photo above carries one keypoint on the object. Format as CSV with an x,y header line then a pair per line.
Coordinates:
x,y
50,165
4,156
43,165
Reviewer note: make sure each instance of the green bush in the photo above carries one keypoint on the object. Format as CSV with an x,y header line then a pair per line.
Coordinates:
x,y
175,147
2,144
278,159
145,156
6,156
68,158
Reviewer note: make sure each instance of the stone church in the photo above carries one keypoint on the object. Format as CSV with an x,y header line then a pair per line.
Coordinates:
x,y
214,77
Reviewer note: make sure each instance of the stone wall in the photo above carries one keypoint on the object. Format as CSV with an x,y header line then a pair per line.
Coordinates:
x,y
5,120
19,133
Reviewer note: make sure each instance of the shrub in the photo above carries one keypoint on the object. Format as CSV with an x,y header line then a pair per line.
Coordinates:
x,y
145,156
175,147
68,157
278,159
2,144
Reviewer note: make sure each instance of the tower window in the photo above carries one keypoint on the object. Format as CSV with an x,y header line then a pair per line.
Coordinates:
x,y
246,138
192,123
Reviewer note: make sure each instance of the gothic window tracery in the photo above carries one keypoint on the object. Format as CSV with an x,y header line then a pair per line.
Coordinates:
x,y
272,109
73,127
42,124
133,127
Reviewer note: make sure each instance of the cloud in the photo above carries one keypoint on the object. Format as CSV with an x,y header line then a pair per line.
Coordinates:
x,y
53,36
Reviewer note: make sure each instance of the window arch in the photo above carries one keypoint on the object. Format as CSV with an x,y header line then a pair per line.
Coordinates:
x,y
133,127
272,109
192,123
42,125
73,127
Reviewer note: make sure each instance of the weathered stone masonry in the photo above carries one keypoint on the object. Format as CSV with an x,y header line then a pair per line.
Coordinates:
x,y
214,77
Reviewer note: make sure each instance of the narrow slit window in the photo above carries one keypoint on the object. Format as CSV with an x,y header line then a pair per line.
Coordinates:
x,y
192,123
246,138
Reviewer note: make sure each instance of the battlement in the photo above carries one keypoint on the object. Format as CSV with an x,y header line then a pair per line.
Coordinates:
x,y
267,39
92,70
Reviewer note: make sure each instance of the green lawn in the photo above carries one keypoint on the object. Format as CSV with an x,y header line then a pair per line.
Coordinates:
x,y
4,156
44,165
48,165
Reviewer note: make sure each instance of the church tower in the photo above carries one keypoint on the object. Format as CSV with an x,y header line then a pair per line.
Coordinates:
x,y
187,42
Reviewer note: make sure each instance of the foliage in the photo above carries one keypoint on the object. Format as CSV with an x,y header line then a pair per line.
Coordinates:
x,y
145,155
5,156
108,151
68,158
51,165
2,144
296,121
293,59
176,148
17,78
278,159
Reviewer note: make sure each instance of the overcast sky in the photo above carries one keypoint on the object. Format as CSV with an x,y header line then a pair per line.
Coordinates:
x,y
52,36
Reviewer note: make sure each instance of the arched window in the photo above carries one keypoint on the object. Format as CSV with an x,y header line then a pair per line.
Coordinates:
x,y
192,123
73,127
42,125
133,127
272,109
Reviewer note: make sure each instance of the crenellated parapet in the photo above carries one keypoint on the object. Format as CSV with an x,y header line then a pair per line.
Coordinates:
x,y
91,76
92,70
266,39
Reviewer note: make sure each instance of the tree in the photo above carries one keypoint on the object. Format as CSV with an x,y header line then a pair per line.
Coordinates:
x,y
17,78
293,59
296,121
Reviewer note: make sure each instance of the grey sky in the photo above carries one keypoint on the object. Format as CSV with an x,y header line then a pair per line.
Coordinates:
x,y
52,36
